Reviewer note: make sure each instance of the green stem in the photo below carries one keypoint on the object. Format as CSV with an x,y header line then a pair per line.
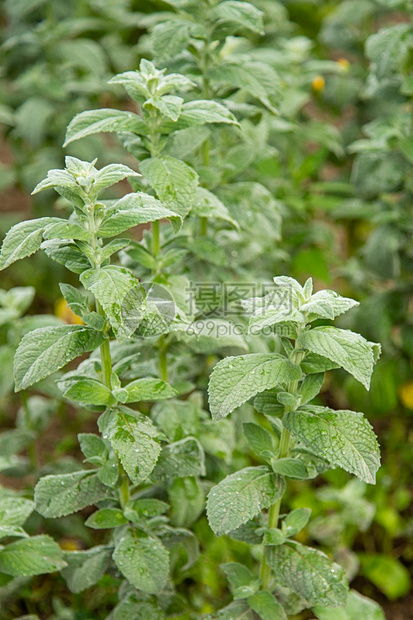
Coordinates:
x,y
274,511
156,243
206,147
106,362
124,488
163,360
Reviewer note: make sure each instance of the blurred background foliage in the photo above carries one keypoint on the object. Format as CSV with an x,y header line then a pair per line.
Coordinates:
x,y
337,158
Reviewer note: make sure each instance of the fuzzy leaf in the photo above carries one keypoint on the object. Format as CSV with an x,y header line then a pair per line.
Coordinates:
x,y
241,582
148,388
45,350
133,437
107,518
206,204
143,561
121,296
357,607
257,438
134,209
256,78
31,556
266,606
291,468
168,105
235,380
57,496
105,119
241,496
15,510
344,438
170,38
202,111
327,305
310,573
22,240
85,568
239,15
88,390
111,174
345,348
180,459
174,182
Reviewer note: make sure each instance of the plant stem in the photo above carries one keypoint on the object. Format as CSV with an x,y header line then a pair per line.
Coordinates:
x,y
274,511
156,244
106,362
206,147
163,360
124,488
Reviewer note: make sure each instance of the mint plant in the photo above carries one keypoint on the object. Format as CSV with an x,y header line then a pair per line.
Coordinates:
x,y
205,134
300,441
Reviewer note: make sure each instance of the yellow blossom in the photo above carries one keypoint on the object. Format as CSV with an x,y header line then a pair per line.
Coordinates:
x,y
62,311
318,83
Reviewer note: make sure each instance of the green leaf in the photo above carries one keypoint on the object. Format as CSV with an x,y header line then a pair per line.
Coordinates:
x,y
241,582
105,119
57,496
133,210
257,438
106,518
315,364
187,499
148,388
237,610
202,111
327,305
144,562
241,496
170,38
133,437
66,230
186,141
235,380
85,568
239,15
31,556
256,78
174,182
111,174
15,510
180,459
310,573
296,520
311,386
387,573
206,204
345,348
266,606
120,294
45,350
274,537
133,606
176,418
168,105
291,468
68,255
12,531
357,607
92,446
88,390
388,48
22,240
344,438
